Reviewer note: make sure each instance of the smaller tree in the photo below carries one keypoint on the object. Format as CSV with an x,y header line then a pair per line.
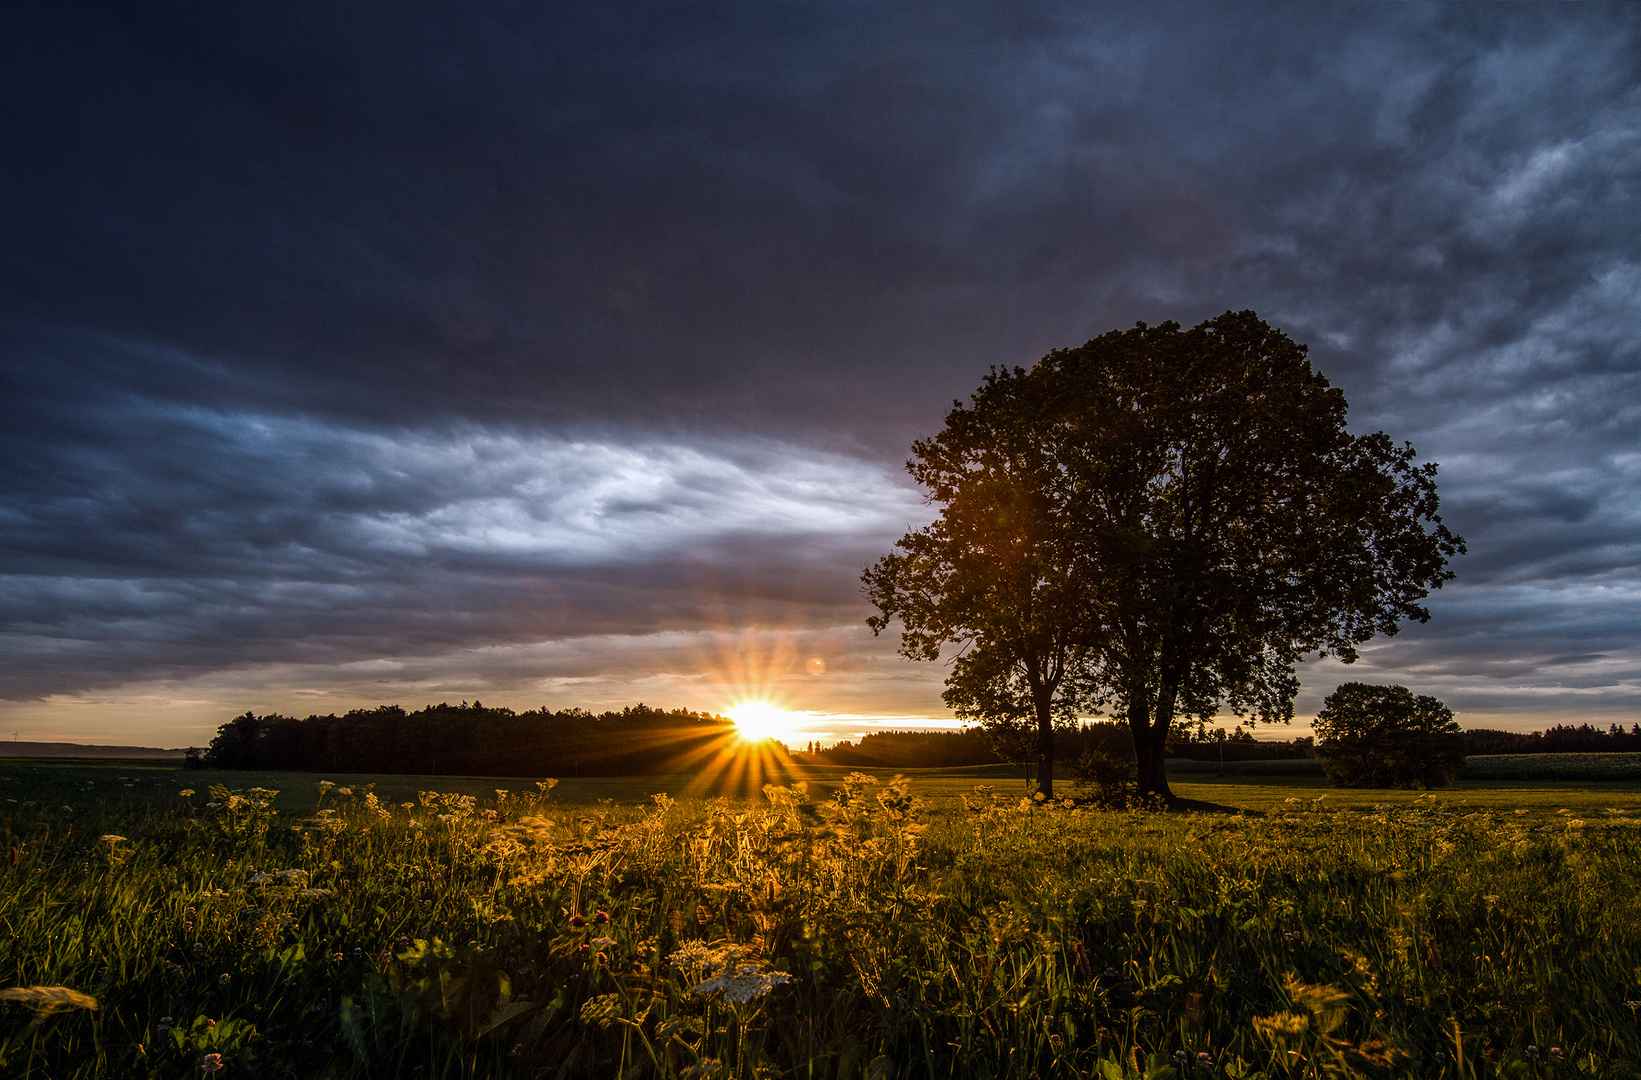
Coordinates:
x,y
1383,736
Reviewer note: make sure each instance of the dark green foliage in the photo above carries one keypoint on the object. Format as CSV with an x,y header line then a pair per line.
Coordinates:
x,y
473,740
1110,780
1383,736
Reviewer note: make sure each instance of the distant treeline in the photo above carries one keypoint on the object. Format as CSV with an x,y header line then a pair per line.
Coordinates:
x,y
1561,739
1240,746
475,740
972,746
472,740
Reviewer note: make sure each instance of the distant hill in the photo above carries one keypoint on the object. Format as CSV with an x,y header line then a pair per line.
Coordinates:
x,y
68,749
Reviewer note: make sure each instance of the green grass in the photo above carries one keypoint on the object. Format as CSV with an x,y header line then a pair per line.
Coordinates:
x,y
915,930
1579,767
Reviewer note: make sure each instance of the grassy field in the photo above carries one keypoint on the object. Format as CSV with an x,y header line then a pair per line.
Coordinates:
x,y
937,927
1583,768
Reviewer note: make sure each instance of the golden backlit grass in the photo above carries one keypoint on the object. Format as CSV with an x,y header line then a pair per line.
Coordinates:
x,y
863,927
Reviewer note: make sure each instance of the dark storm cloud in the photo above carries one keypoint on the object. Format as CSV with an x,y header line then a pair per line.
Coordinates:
x,y
298,303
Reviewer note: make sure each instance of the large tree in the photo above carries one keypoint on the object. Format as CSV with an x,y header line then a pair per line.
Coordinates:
x,y
995,576
1197,509
1383,736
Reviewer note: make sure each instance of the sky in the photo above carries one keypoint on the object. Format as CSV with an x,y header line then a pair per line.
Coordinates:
x,y
569,355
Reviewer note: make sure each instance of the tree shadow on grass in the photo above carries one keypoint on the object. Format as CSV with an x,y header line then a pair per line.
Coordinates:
x,y
1201,806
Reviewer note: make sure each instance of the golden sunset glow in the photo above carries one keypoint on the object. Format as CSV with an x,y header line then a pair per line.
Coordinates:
x,y
759,720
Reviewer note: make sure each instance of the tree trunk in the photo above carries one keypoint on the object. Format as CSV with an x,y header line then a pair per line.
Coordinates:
x,y
1139,729
1154,777
1160,725
1150,736
1045,747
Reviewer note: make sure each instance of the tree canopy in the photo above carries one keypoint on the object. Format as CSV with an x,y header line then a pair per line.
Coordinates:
x,y
1157,524
1383,736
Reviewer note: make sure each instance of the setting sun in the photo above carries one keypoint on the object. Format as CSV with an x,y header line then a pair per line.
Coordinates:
x,y
757,720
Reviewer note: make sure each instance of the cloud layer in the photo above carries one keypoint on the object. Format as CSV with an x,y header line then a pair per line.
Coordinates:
x,y
491,346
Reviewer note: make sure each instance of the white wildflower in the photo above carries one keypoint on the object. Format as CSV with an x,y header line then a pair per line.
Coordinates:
x,y
742,982
725,968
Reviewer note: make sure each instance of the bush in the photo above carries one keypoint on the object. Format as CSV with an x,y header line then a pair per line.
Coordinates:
x,y
1383,736
1109,780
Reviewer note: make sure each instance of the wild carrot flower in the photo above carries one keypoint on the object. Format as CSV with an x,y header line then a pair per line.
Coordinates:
x,y
724,969
212,1063
186,792
224,979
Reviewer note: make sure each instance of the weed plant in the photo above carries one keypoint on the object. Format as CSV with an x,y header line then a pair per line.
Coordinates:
x,y
859,936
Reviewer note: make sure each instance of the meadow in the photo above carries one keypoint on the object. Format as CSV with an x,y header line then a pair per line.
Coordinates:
x,y
841,924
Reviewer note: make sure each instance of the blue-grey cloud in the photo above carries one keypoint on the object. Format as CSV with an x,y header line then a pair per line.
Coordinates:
x,y
194,539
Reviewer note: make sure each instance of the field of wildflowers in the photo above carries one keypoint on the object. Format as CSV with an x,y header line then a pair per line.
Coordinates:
x,y
850,931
